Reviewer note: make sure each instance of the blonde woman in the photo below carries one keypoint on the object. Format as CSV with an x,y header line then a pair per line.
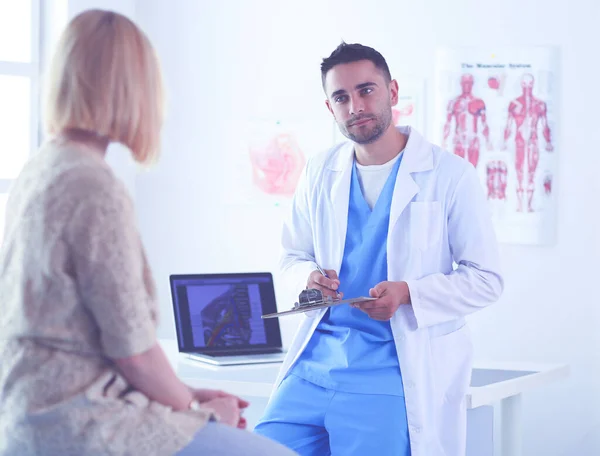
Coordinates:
x,y
81,372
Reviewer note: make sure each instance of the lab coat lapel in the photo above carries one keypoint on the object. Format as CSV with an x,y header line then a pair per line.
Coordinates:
x,y
340,195
417,157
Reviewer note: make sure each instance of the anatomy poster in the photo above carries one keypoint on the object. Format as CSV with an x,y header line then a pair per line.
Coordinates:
x,y
269,158
498,109
408,111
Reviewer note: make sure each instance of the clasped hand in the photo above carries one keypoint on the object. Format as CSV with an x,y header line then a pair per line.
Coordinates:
x,y
227,406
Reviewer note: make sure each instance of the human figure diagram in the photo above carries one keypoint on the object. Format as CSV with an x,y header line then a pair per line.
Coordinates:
x,y
468,113
526,115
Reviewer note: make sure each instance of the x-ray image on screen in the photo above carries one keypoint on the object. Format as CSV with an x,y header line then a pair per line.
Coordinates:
x,y
226,315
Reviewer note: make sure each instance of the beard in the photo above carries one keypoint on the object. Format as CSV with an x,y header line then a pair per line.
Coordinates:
x,y
369,133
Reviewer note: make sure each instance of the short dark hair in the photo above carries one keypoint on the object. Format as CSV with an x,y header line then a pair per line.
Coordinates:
x,y
348,53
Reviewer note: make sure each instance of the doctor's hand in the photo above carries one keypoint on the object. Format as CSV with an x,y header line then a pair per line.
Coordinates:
x,y
390,296
328,286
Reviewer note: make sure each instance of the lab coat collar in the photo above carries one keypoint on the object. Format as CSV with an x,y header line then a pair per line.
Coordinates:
x,y
418,157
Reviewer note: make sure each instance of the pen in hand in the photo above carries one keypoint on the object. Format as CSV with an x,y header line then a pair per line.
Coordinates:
x,y
321,271
325,274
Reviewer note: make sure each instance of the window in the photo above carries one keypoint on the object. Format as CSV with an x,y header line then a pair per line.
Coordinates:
x,y
19,88
3,198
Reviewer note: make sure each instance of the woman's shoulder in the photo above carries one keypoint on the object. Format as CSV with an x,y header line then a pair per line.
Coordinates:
x,y
79,172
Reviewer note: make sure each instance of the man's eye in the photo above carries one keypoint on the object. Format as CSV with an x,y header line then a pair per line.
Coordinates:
x,y
367,90
340,99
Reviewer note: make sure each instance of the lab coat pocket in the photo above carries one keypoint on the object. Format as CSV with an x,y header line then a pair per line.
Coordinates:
x,y
451,355
425,224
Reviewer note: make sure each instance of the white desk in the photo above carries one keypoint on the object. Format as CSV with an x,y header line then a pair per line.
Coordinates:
x,y
496,385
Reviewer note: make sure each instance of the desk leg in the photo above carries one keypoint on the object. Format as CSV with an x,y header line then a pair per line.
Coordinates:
x,y
511,427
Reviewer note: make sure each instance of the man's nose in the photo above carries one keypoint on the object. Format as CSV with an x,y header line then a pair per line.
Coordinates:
x,y
356,105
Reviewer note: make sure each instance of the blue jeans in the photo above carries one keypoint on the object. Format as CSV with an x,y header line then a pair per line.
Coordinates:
x,y
217,439
315,421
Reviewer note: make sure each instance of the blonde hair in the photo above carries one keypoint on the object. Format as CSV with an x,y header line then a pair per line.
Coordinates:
x,y
105,78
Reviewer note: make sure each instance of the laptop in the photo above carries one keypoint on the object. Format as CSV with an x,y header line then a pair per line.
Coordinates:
x,y
218,318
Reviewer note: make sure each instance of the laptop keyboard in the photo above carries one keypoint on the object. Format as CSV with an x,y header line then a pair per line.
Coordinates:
x,y
246,352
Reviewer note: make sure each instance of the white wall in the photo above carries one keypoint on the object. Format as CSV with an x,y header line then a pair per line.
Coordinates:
x,y
230,60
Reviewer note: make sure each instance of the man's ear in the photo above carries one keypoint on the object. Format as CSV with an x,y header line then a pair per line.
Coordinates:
x,y
394,92
329,107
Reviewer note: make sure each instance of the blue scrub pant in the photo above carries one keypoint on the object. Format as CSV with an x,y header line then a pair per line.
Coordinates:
x,y
317,421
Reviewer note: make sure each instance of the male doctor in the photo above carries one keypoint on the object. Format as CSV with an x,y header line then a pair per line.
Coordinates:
x,y
384,215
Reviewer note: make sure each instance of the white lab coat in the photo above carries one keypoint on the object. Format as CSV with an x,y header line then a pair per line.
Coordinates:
x,y
438,215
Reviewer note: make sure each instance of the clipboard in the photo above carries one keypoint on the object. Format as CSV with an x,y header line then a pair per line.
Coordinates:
x,y
316,306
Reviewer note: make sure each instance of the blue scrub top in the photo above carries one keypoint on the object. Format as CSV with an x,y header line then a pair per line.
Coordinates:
x,y
349,351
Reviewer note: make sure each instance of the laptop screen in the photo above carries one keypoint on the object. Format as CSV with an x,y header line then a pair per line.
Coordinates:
x,y
216,313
